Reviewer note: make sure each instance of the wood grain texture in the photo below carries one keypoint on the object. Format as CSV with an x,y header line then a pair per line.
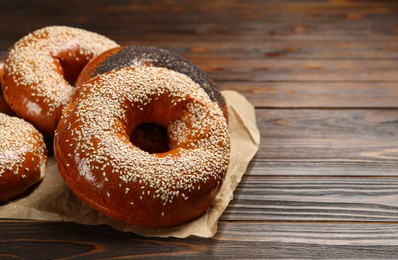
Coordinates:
x,y
309,94
317,167
256,70
329,134
323,78
313,240
321,199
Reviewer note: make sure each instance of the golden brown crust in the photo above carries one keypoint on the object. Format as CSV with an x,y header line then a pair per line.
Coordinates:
x,y
23,156
133,56
4,107
100,164
40,67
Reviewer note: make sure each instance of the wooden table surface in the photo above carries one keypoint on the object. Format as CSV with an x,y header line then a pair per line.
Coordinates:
x,y
323,77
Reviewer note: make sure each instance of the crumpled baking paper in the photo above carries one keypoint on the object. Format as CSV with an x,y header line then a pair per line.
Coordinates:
x,y
52,200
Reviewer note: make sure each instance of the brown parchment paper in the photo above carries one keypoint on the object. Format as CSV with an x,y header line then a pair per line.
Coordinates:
x,y
52,200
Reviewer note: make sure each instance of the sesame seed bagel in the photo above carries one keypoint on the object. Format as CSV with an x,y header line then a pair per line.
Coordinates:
x,y
134,56
105,169
23,156
40,70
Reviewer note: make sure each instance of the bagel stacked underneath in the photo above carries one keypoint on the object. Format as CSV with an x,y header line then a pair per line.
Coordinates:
x,y
125,97
136,56
150,137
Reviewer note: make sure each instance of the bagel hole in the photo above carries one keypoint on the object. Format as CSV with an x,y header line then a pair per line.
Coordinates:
x,y
72,70
150,137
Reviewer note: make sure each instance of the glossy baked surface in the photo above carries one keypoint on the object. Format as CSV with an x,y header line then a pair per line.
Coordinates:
x,y
99,163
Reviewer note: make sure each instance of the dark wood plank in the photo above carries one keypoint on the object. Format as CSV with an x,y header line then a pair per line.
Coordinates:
x,y
308,94
222,46
314,240
278,198
329,134
323,167
282,48
256,70
30,240
326,20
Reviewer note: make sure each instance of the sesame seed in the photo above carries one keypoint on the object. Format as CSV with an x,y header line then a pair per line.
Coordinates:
x,y
18,139
30,64
199,134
